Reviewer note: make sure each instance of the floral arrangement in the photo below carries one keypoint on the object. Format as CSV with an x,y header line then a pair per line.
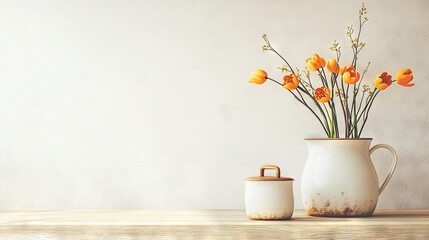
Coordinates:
x,y
340,94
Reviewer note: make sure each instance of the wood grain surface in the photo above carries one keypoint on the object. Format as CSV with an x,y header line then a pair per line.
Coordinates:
x,y
210,224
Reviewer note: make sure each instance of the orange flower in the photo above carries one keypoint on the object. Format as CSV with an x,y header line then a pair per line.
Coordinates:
x,y
333,66
322,94
259,76
315,62
343,69
350,76
382,81
404,77
290,82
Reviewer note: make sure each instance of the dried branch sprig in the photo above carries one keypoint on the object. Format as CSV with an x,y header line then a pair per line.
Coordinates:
x,y
335,46
319,98
267,45
283,69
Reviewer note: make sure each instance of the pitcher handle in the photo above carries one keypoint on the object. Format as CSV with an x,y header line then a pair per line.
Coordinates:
x,y
392,168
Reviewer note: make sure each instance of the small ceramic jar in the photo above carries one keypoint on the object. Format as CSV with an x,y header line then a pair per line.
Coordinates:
x,y
269,197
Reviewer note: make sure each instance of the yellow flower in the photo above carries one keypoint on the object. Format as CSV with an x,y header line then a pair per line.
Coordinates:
x,y
382,81
259,76
315,62
290,82
322,94
404,77
333,66
350,76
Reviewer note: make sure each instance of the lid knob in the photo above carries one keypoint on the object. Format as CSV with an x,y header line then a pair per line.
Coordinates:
x,y
269,167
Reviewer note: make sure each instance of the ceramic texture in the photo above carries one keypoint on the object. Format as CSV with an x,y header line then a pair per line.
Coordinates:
x,y
267,200
339,178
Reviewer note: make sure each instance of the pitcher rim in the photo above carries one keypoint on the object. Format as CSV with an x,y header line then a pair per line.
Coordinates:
x,y
338,139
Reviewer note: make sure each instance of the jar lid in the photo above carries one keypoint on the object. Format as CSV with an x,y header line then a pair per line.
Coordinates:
x,y
261,176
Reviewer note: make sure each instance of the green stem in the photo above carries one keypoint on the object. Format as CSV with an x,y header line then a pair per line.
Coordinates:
x,y
367,105
315,103
367,114
330,122
304,103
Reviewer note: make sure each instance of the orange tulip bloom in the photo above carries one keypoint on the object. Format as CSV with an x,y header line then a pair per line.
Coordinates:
x,y
404,77
350,76
343,69
333,66
382,81
315,62
290,82
322,94
259,76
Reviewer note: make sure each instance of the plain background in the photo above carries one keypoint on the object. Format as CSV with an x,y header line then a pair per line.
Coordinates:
x,y
146,104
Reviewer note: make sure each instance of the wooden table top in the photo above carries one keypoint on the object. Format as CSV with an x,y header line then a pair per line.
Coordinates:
x,y
207,224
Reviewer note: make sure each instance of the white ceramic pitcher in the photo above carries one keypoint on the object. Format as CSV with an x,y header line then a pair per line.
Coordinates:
x,y
339,178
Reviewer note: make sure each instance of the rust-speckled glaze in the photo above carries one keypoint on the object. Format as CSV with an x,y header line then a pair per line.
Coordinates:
x,y
269,197
339,179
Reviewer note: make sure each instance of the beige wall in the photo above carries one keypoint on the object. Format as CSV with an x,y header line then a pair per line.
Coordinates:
x,y
145,104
